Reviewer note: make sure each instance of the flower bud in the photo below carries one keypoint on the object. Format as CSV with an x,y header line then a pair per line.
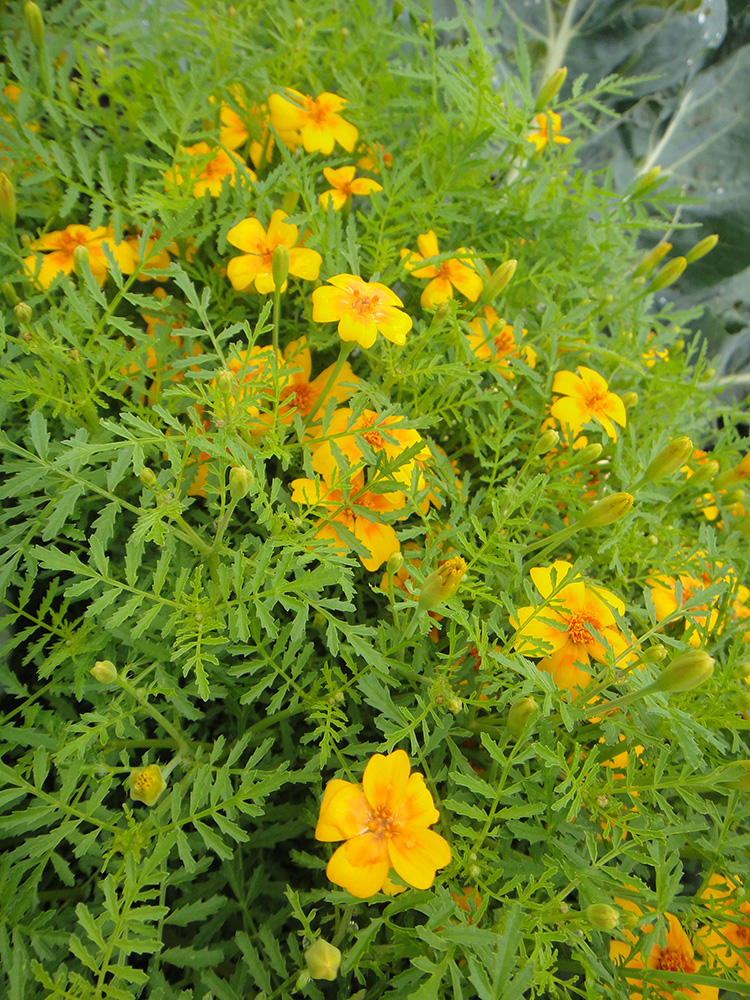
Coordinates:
x,y
629,399
80,257
685,672
9,293
323,960
23,312
587,455
280,265
7,201
602,917
654,654
545,442
147,477
499,280
551,88
34,22
394,564
668,274
298,24
646,182
240,482
441,312
705,473
519,714
442,584
650,259
454,705
669,459
147,784
606,511
702,248
73,88
225,380
104,671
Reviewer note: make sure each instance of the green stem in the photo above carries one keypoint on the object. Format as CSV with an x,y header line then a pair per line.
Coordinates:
x,y
276,315
344,352
182,741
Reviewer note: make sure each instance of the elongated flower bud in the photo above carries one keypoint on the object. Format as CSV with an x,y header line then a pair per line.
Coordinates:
x,y
442,311
9,293
240,482
442,584
500,279
394,564
685,672
546,441
34,22
647,182
629,399
742,784
606,511
280,265
655,654
323,960
23,312
650,259
702,248
147,784
705,473
669,459
7,201
519,714
668,274
147,477
589,454
104,671
80,257
602,917
551,88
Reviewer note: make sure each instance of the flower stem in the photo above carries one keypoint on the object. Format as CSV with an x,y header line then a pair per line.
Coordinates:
x,y
344,352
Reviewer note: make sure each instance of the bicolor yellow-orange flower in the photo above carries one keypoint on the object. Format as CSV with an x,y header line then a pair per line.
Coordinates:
x,y
316,120
541,137
254,267
446,276
302,394
217,165
492,339
704,618
675,955
565,623
385,824
585,397
58,247
369,157
362,309
359,513
343,185
726,942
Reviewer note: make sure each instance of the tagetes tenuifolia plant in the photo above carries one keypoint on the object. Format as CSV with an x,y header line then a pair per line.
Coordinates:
x,y
343,434
384,824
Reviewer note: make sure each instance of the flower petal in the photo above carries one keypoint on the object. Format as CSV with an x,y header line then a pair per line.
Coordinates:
x,y
385,781
361,865
416,854
344,812
353,326
247,235
304,263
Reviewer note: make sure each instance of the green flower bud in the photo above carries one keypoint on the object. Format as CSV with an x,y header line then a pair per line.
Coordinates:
x,y
34,22
9,293
655,654
702,248
7,201
299,24
280,265
650,259
671,457
668,274
323,960
551,88
23,312
499,280
80,257
241,482
587,455
147,477
685,672
442,584
441,312
606,511
647,182
104,671
742,784
629,399
602,917
394,564
519,714
545,442
705,473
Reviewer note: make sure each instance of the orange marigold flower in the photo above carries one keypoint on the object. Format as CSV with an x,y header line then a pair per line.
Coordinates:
x,y
359,512
385,823
58,248
492,339
567,622
726,943
450,274
585,397
315,120
344,185
369,156
542,137
218,165
704,618
675,955
255,266
362,309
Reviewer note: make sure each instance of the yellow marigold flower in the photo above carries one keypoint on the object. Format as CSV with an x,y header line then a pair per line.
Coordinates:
x,y
448,275
492,339
255,266
704,617
585,397
217,165
147,784
359,513
542,137
385,823
382,434
563,623
58,248
727,941
676,955
344,185
369,157
362,309
315,120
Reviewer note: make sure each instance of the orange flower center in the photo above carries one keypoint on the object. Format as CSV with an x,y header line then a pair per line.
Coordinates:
x,y
363,304
317,112
68,242
344,187
594,398
304,396
675,960
577,623
742,933
504,342
373,438
382,824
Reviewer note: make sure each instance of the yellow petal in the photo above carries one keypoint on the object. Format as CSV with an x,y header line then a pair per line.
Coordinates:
x,y
361,865
416,853
344,812
385,780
